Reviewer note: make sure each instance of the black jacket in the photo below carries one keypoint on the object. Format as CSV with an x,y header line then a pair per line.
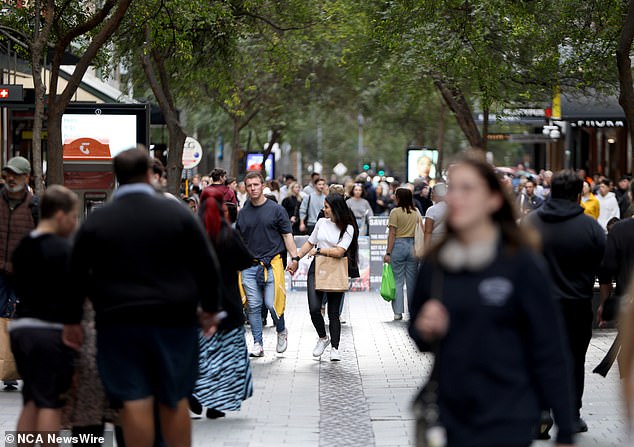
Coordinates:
x,y
233,256
573,245
618,261
504,356
144,260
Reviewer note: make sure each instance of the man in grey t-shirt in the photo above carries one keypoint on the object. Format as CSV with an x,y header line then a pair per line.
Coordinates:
x,y
311,207
435,216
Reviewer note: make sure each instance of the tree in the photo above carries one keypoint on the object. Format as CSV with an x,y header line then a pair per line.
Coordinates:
x,y
69,26
624,64
491,54
39,45
173,41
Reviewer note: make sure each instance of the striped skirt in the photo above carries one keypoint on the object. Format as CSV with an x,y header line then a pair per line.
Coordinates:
x,y
224,378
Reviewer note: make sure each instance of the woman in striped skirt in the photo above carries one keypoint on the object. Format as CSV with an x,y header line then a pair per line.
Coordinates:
x,y
225,378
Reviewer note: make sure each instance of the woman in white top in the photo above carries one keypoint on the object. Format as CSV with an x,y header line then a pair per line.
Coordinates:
x,y
336,236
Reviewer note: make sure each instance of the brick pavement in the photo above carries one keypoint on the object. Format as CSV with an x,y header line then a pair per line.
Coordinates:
x,y
363,400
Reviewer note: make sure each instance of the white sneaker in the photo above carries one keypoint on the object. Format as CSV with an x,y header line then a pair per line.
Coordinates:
x,y
282,341
258,350
334,355
321,345
398,317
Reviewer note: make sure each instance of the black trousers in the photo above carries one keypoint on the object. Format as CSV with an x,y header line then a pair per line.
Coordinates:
x,y
315,298
577,318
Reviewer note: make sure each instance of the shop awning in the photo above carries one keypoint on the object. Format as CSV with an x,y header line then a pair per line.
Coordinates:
x,y
597,108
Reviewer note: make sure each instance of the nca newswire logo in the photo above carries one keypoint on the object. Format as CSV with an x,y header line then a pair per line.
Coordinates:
x,y
62,438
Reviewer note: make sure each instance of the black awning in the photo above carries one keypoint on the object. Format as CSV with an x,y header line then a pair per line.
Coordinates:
x,y
591,108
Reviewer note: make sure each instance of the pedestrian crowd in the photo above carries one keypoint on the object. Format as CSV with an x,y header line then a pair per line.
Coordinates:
x,y
497,268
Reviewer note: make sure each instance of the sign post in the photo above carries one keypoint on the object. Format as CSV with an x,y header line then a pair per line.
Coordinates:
x,y
192,153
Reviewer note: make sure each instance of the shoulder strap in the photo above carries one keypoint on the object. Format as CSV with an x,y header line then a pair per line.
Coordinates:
x,y
34,204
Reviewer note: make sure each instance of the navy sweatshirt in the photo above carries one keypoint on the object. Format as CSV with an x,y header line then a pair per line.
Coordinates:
x,y
504,356
144,260
573,244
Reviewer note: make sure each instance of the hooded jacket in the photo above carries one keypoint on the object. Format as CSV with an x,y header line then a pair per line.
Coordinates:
x,y
608,208
572,244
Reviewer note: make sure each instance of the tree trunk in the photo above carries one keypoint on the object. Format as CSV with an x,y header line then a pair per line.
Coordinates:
x,y
174,167
458,104
153,63
57,103
275,138
624,64
55,165
236,153
486,111
40,43
38,119
441,138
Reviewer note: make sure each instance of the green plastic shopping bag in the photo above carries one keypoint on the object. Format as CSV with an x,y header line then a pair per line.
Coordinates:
x,y
388,287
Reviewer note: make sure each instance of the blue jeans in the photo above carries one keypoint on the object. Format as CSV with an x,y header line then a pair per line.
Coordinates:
x,y
404,266
257,292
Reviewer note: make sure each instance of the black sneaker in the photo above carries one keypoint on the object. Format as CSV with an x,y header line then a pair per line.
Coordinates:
x,y
214,414
195,406
545,425
580,426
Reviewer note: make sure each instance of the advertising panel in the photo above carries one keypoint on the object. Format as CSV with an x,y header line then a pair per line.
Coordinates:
x,y
421,163
254,163
378,246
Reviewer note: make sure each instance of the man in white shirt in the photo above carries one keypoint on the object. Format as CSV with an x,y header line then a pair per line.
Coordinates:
x,y
608,205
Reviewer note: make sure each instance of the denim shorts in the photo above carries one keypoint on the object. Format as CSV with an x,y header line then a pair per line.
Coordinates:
x,y
136,362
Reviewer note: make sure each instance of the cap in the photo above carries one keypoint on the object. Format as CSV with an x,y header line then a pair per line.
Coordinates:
x,y
18,165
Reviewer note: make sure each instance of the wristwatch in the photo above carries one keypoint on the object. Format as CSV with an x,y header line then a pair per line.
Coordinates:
x,y
388,254
318,250
296,258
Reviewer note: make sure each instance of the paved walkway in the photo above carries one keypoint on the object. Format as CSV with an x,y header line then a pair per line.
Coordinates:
x,y
361,401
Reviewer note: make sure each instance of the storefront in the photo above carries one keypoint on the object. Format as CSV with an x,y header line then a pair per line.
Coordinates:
x,y
16,111
596,136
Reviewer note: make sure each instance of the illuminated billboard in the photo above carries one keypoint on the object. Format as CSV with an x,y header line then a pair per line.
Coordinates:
x,y
422,163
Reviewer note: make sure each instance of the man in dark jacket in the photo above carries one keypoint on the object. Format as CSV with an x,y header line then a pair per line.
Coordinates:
x,y
145,309
573,246
18,217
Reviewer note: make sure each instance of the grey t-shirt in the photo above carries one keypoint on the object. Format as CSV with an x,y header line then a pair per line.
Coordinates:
x,y
360,208
311,207
437,213
262,228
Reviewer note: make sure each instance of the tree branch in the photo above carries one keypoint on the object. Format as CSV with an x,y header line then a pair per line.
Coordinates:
x,y
84,62
277,28
248,119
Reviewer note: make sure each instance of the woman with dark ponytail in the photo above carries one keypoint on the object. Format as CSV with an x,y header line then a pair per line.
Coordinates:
x,y
224,379
335,235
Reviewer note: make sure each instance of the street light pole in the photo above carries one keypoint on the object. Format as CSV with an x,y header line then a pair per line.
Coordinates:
x,y
360,148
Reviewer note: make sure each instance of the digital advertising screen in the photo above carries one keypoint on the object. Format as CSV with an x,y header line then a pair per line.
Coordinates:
x,y
115,132
100,131
421,163
254,163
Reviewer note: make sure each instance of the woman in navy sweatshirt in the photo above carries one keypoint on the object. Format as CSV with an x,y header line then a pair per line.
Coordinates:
x,y
483,297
